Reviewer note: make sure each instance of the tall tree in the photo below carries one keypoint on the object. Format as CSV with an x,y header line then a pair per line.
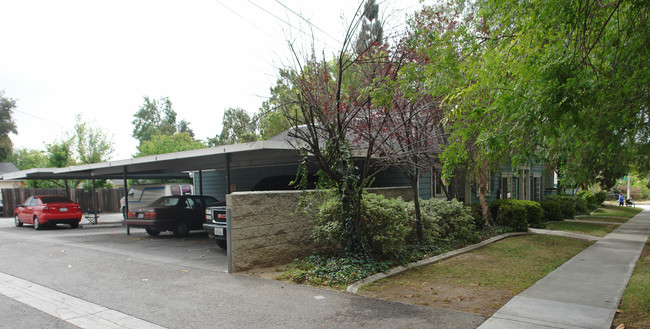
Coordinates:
x,y
157,118
272,121
238,127
372,32
7,125
91,144
27,159
160,144
331,98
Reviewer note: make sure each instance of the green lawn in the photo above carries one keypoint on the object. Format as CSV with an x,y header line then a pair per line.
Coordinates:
x,y
616,211
635,306
604,219
482,280
583,228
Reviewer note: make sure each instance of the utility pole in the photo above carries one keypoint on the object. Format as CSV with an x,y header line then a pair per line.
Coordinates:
x,y
628,186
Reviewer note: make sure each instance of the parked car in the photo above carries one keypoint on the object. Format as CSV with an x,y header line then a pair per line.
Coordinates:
x,y
43,210
179,214
215,223
140,196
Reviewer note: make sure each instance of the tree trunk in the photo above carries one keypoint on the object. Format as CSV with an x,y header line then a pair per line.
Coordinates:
x,y
415,186
482,187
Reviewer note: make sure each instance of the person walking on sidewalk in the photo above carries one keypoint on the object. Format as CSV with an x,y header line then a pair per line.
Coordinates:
x,y
621,199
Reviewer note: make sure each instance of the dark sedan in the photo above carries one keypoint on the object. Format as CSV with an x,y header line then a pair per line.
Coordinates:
x,y
179,214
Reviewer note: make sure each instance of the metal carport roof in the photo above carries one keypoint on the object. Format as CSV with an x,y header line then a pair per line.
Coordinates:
x,y
173,165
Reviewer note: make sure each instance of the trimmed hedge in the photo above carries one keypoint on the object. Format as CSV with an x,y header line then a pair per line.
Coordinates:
x,y
512,215
534,212
566,204
552,210
445,222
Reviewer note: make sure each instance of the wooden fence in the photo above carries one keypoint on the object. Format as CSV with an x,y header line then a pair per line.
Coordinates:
x,y
108,200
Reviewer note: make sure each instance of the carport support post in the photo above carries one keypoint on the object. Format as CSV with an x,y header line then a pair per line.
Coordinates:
x,y
94,196
200,182
126,200
67,189
227,173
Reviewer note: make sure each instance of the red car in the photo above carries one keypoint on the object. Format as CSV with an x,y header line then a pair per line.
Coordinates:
x,y
42,210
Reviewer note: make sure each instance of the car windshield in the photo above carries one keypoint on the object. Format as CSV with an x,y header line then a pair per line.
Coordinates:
x,y
166,202
51,199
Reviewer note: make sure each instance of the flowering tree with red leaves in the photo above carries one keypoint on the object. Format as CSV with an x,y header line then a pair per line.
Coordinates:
x,y
332,98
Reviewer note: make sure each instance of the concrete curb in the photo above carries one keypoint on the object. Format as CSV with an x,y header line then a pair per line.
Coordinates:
x,y
86,226
354,288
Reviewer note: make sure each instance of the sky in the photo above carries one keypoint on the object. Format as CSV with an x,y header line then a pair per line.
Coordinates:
x,y
100,58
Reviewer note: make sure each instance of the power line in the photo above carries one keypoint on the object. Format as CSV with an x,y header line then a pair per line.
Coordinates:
x,y
39,118
247,21
308,21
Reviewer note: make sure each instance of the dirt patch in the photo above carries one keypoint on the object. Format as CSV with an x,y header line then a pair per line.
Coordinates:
x,y
268,273
473,298
481,281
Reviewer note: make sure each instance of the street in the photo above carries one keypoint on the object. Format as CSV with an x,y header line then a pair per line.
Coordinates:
x,y
169,282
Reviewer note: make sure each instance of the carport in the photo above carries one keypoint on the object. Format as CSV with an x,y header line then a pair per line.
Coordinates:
x,y
176,165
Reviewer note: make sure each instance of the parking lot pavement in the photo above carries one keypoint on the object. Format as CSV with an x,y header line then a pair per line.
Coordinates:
x,y
196,250
177,283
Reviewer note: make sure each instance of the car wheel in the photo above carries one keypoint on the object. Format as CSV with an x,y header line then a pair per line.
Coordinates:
x,y
74,225
17,221
152,232
37,224
181,230
222,243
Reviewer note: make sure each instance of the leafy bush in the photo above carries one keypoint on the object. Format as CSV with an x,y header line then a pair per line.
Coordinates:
x,y
447,222
477,213
494,206
534,212
552,210
512,215
600,198
581,205
566,203
385,225
321,270
590,198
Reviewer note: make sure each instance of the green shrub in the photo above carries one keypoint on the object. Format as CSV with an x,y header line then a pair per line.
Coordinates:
x,y
600,198
552,210
385,225
567,207
566,203
477,213
447,222
512,215
590,198
582,206
494,206
534,212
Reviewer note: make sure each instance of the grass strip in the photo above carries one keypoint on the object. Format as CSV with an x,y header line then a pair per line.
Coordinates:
x,y
483,280
583,228
604,219
635,305
617,211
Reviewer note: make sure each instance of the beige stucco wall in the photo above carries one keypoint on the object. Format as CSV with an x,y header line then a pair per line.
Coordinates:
x,y
266,229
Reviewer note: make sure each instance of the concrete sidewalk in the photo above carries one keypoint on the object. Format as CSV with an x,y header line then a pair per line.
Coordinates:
x,y
586,290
